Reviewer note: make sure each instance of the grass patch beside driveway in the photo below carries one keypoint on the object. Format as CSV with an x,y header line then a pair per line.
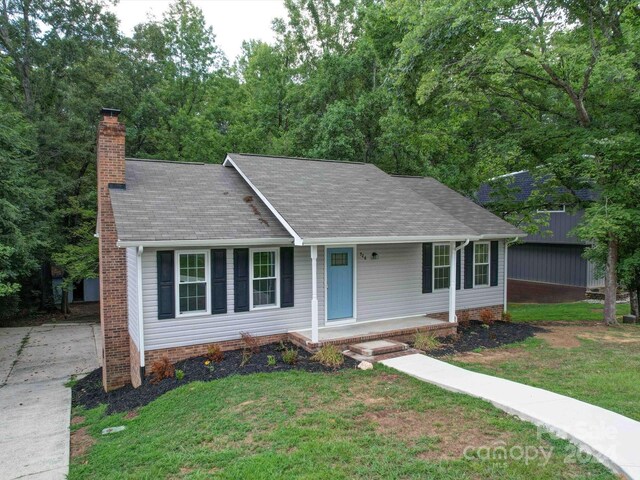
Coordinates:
x,y
350,424
564,312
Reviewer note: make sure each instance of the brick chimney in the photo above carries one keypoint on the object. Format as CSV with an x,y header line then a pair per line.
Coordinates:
x,y
113,261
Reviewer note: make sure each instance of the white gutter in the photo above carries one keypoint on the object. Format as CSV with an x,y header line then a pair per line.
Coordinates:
x,y
375,240
203,243
506,272
139,251
296,238
501,236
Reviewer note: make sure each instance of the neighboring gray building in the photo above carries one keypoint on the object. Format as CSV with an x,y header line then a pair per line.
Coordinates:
x,y
548,266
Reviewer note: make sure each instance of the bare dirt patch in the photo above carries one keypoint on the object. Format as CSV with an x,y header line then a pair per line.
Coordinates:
x,y
77,420
451,431
80,442
131,414
569,336
488,356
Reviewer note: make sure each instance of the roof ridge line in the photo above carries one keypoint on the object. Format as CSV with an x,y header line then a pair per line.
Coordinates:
x,y
299,158
157,160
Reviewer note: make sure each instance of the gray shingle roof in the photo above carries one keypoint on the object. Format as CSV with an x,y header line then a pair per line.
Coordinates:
x,y
322,199
460,207
182,201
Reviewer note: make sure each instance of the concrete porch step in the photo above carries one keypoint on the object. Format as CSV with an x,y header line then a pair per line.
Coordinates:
x,y
378,358
377,347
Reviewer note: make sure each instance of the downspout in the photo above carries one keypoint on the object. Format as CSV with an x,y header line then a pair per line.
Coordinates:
x,y
506,272
453,318
139,251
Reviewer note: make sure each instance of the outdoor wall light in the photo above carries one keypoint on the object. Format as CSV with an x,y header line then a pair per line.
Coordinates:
x,y
374,256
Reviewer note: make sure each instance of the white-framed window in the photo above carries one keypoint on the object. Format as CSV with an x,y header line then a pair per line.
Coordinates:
x,y
265,273
441,266
558,209
192,286
481,264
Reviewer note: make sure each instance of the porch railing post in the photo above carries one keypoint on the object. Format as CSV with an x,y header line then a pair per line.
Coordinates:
x,y
452,282
314,293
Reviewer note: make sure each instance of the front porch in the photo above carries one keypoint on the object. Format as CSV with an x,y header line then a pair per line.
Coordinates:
x,y
398,329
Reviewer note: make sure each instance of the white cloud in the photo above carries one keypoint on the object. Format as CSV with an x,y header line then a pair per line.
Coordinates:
x,y
232,20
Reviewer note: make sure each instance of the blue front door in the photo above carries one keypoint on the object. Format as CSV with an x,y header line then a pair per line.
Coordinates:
x,y
339,283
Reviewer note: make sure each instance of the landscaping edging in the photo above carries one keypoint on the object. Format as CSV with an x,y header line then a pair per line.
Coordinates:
x,y
88,391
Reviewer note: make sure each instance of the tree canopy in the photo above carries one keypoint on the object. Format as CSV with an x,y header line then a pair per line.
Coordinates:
x,y
460,90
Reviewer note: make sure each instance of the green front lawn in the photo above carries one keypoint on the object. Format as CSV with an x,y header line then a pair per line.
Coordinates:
x,y
596,364
565,312
351,424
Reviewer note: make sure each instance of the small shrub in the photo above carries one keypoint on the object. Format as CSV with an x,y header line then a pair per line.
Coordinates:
x,y
506,316
215,353
271,360
486,316
209,365
290,356
161,369
329,356
246,356
250,342
179,374
425,341
463,318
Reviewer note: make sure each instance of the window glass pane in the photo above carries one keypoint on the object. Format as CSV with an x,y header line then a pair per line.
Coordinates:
x,y
264,264
482,253
482,275
339,259
441,277
264,292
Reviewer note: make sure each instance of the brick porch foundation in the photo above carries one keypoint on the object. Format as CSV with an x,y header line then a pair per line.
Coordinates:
x,y
467,314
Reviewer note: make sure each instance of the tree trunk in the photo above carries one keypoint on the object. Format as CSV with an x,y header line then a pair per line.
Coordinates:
x,y
64,302
611,282
46,288
633,300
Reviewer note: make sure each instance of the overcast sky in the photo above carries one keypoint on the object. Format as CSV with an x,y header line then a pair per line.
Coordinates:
x,y
232,20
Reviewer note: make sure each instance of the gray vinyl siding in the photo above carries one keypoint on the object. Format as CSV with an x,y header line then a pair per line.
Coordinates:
x,y
212,328
388,287
391,285
132,295
559,264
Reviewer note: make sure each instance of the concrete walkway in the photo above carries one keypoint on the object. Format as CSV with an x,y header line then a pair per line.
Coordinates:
x,y
611,438
35,363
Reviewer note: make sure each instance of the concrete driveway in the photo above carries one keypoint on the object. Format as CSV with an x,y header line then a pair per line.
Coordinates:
x,y
35,363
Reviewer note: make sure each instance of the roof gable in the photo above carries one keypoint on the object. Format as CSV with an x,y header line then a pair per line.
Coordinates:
x,y
326,201
173,201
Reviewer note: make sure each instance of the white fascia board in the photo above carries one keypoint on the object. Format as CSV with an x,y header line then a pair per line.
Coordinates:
x,y
204,243
296,238
376,240
501,236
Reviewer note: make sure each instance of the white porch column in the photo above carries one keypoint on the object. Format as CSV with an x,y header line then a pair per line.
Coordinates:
x,y
452,282
314,293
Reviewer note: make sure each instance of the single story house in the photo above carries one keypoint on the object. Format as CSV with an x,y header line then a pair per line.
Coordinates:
x,y
312,251
548,266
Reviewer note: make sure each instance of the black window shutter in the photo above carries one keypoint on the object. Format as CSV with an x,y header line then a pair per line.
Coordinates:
x,y
286,277
493,264
166,285
218,281
458,268
241,279
468,266
427,267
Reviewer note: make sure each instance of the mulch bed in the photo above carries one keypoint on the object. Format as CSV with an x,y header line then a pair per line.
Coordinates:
x,y
475,334
88,391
